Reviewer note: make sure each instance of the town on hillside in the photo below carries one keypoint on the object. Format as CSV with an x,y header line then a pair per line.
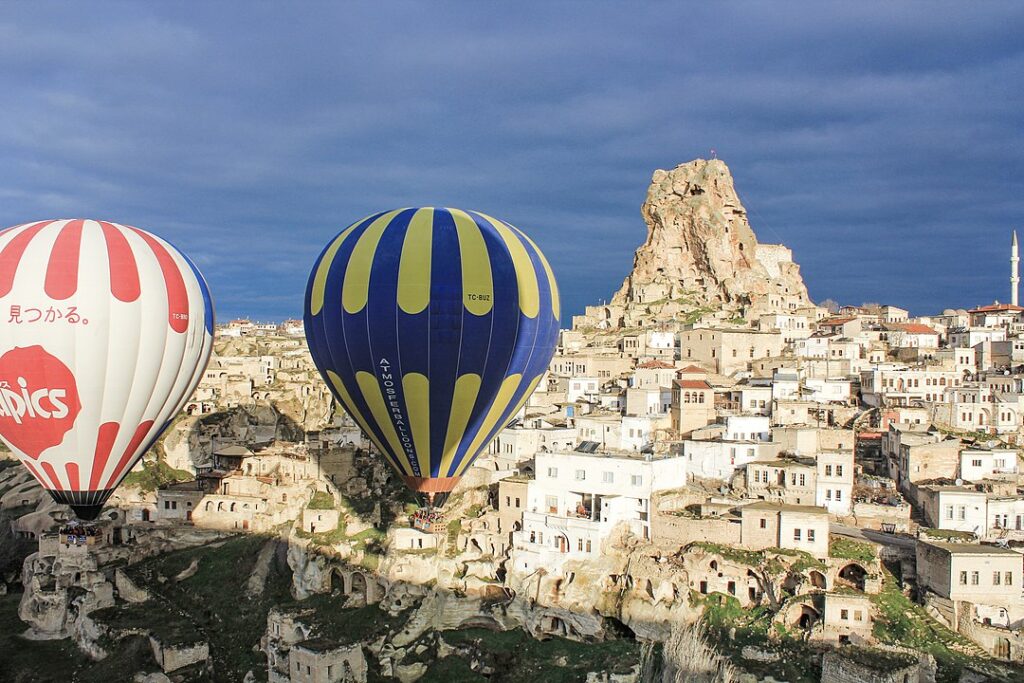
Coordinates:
x,y
713,467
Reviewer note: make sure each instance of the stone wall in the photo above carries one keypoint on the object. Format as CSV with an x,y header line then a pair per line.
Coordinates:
x,y
1001,643
872,516
174,657
127,589
836,668
673,531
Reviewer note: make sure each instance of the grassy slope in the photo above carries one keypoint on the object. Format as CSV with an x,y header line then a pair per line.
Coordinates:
x,y
209,605
518,658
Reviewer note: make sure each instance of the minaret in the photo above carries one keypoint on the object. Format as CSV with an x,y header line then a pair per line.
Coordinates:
x,y
1014,276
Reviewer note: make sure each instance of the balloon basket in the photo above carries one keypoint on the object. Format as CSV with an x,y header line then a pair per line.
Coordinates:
x,y
78,533
429,520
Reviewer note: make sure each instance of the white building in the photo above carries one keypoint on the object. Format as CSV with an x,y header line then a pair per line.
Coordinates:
x,y
583,388
834,485
969,337
577,499
720,459
957,508
977,464
747,428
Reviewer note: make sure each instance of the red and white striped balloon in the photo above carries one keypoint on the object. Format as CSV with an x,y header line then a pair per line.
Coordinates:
x,y
105,331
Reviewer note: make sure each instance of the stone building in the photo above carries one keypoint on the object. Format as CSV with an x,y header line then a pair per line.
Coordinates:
x,y
728,351
980,574
775,525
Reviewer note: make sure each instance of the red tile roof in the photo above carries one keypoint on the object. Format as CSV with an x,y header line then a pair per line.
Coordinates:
x,y
914,328
655,365
996,308
692,370
836,321
692,384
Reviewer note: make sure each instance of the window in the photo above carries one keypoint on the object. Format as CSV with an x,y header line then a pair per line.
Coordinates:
x,y
1009,578
580,546
976,463
764,523
996,576
608,477
581,475
949,512
637,480
828,494
803,480
844,614
961,512
828,470
588,546
508,501
517,502
839,494
858,615
963,578
810,535
551,502
974,578
552,472
796,534
839,470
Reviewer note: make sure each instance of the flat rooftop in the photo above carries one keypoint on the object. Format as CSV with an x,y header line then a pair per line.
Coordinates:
x,y
765,505
970,548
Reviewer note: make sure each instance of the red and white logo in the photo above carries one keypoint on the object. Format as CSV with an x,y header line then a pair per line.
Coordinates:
x,y
38,399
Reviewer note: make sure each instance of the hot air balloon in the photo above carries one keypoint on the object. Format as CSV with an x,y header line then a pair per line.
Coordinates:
x,y
432,327
106,332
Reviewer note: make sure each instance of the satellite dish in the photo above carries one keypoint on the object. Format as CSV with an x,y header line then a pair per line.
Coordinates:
x,y
959,482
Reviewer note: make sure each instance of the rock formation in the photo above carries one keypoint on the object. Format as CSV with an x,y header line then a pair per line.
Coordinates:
x,y
700,252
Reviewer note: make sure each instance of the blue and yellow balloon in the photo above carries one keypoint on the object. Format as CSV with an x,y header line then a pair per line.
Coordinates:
x,y
432,327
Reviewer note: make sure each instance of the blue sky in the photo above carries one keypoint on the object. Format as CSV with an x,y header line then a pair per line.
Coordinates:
x,y
882,142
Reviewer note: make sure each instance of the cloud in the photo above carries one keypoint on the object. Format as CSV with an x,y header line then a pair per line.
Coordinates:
x,y
881,142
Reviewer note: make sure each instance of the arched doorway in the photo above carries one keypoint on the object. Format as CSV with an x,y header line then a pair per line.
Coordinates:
x,y
337,583
854,575
808,617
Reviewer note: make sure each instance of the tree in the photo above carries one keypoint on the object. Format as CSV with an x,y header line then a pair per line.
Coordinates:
x,y
831,305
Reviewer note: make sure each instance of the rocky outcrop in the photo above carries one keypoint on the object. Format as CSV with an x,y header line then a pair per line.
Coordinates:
x,y
700,253
59,591
700,244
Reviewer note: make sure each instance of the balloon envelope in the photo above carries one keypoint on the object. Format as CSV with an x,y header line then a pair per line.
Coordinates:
x,y
107,330
431,327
